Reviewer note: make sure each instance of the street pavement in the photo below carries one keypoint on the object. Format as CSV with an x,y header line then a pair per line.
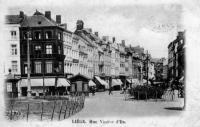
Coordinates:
x,y
104,105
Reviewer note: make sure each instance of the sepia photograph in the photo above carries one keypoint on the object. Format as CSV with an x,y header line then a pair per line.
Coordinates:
x,y
97,63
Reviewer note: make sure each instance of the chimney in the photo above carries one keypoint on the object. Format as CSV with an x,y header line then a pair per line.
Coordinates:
x,y
21,14
105,38
48,14
123,42
96,33
90,30
58,19
79,25
113,39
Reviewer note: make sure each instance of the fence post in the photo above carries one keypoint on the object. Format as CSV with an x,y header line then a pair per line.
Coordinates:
x,y
65,110
53,110
60,109
146,95
42,111
12,105
27,112
156,95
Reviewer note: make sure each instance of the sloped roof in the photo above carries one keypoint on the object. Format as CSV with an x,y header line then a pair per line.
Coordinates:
x,y
13,19
38,20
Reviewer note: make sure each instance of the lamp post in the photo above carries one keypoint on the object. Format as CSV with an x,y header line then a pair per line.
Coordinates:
x,y
28,66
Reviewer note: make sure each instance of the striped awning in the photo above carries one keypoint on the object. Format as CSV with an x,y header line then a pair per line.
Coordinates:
x,y
102,81
128,80
91,83
62,82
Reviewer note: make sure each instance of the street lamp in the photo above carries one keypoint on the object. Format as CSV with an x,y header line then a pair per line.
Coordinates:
x,y
28,66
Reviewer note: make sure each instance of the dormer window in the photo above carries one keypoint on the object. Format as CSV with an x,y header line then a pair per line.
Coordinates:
x,y
59,36
48,34
37,35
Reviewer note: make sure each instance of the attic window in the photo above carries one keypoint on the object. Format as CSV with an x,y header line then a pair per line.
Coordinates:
x,y
39,22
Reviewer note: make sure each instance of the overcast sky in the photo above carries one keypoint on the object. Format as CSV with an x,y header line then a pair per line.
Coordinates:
x,y
150,26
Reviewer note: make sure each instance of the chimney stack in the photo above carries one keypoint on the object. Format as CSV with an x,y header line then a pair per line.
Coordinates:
x,y
79,25
58,19
123,43
96,33
105,38
21,14
48,14
113,39
90,30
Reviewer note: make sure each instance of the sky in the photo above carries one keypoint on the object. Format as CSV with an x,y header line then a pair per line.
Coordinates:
x,y
152,26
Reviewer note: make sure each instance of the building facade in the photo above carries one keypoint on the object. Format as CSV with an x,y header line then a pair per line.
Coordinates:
x,y
12,32
45,39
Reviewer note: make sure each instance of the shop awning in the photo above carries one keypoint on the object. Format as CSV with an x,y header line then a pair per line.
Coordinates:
x,y
62,82
38,82
135,82
101,81
91,83
128,80
115,82
120,82
145,81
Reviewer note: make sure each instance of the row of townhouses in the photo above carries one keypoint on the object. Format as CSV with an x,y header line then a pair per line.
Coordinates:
x,y
57,54
176,58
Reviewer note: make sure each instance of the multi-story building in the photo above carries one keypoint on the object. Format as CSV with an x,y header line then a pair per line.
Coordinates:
x,y
165,69
83,56
45,37
138,64
67,47
75,55
176,57
122,73
151,71
13,43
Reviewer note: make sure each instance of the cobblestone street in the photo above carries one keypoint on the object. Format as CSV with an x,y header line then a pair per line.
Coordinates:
x,y
104,105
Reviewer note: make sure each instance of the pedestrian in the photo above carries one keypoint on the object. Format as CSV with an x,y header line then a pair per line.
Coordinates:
x,y
93,90
110,90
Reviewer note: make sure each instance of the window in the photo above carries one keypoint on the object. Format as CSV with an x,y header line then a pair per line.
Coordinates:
x,y
49,67
38,49
48,34
59,36
60,66
25,68
13,34
14,66
25,35
48,49
13,49
37,35
59,49
38,67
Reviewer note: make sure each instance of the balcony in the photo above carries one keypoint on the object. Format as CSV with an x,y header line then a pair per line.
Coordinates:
x,y
45,56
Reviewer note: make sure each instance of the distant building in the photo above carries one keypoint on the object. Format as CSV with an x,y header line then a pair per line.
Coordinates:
x,y
165,69
176,57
